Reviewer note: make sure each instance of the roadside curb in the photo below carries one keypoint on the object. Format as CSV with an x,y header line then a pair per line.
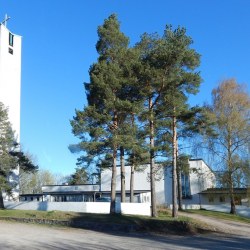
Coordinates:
x,y
78,224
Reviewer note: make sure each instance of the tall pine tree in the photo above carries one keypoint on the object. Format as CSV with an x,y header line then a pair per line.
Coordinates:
x,y
107,100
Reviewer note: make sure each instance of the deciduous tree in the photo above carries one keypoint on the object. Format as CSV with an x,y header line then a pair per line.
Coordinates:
x,y
32,182
230,113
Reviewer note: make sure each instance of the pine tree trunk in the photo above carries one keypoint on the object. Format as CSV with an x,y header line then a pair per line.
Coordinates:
x,y
178,172
113,184
1,200
152,162
174,179
114,171
132,179
123,188
179,189
132,174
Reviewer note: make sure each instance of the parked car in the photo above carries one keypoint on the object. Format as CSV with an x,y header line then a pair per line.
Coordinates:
x,y
103,199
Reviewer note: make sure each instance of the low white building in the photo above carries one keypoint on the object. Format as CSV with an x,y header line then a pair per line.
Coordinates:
x,y
65,193
198,178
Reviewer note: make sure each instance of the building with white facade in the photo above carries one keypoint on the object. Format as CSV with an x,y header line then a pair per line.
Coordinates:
x,y
198,178
10,83
10,75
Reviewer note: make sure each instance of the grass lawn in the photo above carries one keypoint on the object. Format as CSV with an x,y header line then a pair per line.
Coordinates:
x,y
220,215
164,223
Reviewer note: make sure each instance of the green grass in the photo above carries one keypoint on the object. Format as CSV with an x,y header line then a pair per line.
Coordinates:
x,y
162,224
103,218
220,215
50,215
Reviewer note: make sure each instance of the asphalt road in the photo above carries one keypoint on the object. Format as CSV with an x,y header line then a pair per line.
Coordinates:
x,y
29,236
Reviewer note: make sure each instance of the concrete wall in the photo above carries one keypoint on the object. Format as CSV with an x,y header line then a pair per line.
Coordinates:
x,y
200,176
82,207
142,181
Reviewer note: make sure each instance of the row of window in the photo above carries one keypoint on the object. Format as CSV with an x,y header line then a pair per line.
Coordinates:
x,y
30,199
211,199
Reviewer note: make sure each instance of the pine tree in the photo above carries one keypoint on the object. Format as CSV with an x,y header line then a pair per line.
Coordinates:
x,y
80,176
169,77
107,100
7,162
151,91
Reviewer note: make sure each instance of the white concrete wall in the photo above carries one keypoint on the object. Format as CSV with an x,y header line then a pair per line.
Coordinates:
x,y
201,177
142,181
168,186
136,208
82,207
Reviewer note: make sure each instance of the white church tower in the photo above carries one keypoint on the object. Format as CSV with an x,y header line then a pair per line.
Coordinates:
x,y
10,74
10,85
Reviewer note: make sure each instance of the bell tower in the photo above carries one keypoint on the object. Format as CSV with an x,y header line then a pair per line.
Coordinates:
x,y
10,87
10,74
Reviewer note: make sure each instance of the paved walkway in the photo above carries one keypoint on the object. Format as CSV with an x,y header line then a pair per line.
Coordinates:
x,y
226,226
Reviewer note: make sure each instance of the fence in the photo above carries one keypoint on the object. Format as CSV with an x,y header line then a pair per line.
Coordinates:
x,y
82,207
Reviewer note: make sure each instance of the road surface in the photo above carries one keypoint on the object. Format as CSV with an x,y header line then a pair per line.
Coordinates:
x,y
15,235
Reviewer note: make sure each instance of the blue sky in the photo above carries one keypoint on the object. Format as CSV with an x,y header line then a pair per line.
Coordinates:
x,y
59,38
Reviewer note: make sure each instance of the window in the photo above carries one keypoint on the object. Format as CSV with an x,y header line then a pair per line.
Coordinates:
x,y
11,51
11,39
222,199
185,185
237,200
211,199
